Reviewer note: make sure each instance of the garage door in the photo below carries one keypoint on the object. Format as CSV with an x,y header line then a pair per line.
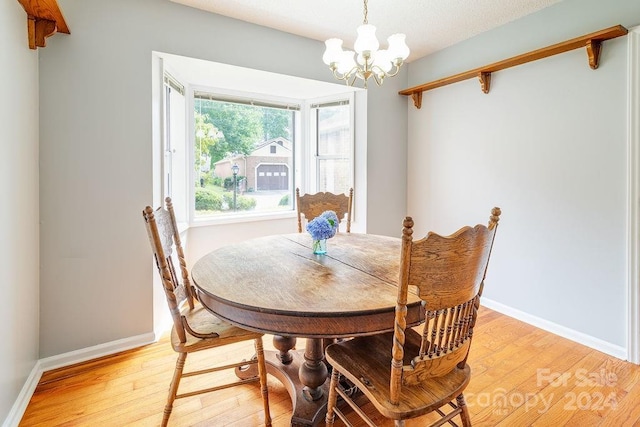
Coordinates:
x,y
273,177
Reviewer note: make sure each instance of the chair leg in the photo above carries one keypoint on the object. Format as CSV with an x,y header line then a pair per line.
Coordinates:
x,y
464,415
173,388
262,372
333,398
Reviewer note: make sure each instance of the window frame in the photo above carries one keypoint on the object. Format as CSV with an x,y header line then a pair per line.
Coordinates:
x,y
304,161
171,150
314,166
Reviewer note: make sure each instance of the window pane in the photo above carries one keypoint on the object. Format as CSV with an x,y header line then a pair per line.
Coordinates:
x,y
334,141
175,152
334,135
244,158
334,175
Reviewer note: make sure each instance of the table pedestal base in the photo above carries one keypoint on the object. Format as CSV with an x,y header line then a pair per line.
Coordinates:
x,y
306,412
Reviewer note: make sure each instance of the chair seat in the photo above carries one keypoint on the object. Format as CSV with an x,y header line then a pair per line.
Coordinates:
x,y
202,321
366,361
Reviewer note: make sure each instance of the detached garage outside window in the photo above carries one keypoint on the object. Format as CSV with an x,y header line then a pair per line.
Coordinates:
x,y
272,177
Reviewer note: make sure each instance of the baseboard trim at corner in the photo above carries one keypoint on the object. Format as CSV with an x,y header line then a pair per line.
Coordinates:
x,y
571,334
66,359
20,405
106,349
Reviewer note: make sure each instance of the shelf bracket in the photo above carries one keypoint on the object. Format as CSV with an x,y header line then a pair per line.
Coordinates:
x,y
594,47
485,81
39,30
44,19
417,99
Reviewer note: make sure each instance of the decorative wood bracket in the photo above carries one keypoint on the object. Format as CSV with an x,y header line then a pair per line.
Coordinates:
x,y
38,30
44,19
593,52
593,43
485,81
417,99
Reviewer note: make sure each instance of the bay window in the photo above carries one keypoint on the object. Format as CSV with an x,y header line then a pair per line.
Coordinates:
x,y
234,155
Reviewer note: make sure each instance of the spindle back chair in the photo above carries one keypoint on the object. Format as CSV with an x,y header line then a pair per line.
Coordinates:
x,y
194,328
406,374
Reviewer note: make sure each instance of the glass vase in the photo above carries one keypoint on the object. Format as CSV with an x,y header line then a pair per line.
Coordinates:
x,y
320,247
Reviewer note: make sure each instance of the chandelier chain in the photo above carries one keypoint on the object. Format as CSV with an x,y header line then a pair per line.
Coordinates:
x,y
366,12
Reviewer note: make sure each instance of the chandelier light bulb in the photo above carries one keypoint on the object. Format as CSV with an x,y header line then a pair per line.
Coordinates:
x,y
398,47
333,51
366,40
383,60
346,62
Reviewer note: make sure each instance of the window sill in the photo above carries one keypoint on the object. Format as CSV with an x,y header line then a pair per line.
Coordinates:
x,y
241,218
182,227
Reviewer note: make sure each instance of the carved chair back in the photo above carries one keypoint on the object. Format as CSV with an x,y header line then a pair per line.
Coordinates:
x,y
165,242
312,205
448,273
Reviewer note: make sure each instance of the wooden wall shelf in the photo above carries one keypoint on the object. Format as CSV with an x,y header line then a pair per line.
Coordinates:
x,y
44,19
593,43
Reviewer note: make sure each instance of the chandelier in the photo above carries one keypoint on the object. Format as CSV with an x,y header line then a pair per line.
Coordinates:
x,y
369,61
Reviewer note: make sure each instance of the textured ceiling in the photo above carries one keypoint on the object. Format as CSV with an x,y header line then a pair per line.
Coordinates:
x,y
430,25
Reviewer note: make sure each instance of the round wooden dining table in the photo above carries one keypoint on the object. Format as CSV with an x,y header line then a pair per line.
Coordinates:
x,y
276,285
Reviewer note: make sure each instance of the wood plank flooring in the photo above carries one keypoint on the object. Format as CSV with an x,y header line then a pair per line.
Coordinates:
x,y
521,376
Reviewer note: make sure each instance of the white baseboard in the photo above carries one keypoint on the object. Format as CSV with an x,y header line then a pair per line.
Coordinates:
x,y
571,334
20,405
94,352
66,359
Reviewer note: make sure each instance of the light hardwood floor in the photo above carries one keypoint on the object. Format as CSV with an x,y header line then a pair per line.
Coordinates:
x,y
521,376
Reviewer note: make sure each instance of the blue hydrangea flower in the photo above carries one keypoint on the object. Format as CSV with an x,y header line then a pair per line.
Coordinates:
x,y
333,220
323,226
320,228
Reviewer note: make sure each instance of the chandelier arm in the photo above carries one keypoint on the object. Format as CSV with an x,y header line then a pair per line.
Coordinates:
x,y
379,74
352,72
378,79
355,77
343,76
338,76
397,70
377,70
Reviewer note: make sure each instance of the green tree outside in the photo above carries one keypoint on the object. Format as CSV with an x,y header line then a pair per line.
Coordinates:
x,y
276,123
240,127
208,139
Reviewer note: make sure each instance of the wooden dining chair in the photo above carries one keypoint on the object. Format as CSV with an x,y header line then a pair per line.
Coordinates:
x,y
312,205
194,328
405,373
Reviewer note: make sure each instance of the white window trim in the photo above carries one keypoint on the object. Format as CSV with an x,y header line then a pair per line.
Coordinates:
x,y
302,155
633,198
311,184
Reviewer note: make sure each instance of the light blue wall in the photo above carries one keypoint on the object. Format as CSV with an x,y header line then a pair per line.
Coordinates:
x,y
96,167
18,206
548,145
